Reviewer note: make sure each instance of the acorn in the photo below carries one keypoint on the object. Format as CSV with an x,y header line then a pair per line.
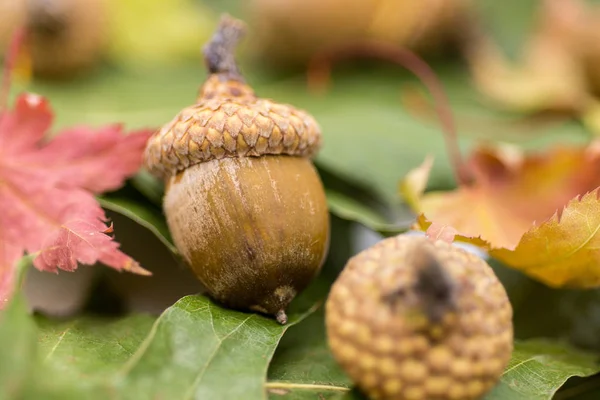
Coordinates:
x,y
410,318
243,201
292,32
64,37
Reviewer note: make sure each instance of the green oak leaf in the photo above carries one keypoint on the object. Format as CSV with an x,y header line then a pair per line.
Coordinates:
x,y
89,349
303,367
349,209
18,349
197,349
539,368
142,214
22,373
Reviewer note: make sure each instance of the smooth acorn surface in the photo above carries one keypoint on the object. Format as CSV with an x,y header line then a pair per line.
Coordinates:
x,y
254,230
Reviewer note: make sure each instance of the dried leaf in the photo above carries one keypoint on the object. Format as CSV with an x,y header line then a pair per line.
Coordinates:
x,y
511,192
564,250
415,182
527,211
551,74
47,191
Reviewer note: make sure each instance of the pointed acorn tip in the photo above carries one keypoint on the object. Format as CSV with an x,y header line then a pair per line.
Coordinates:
x,y
281,317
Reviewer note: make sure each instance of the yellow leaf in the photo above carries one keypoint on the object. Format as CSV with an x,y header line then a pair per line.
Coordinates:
x,y
414,183
511,191
564,250
550,75
448,234
503,211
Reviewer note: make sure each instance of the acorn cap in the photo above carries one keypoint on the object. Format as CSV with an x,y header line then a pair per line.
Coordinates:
x,y
228,120
409,318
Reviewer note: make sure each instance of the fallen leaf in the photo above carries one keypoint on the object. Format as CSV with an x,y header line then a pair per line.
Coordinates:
x,y
415,182
47,191
197,349
17,344
90,348
537,213
351,209
437,232
560,252
558,69
564,250
142,214
551,74
22,373
512,190
538,368
303,364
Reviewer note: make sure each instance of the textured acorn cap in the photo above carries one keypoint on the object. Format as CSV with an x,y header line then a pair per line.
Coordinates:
x,y
228,120
412,319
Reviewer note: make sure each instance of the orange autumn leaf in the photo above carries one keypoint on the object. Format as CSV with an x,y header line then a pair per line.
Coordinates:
x,y
526,210
511,191
415,182
563,251
436,231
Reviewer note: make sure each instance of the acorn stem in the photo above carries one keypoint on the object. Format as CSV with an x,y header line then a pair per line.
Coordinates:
x,y
435,289
434,286
219,52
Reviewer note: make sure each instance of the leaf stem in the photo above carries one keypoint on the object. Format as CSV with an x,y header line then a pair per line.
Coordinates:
x,y
319,72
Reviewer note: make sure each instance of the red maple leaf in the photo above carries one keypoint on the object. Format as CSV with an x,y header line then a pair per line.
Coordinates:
x,y
47,204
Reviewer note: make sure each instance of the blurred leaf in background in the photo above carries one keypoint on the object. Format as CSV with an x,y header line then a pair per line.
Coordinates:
x,y
158,33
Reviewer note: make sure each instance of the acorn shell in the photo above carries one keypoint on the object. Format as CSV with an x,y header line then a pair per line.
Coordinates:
x,y
255,230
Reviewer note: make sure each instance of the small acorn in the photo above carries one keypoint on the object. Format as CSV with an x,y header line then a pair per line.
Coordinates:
x,y
412,319
64,37
291,32
243,201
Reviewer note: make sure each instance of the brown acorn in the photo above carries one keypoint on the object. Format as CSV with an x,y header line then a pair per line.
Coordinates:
x,y
291,32
412,319
244,203
64,37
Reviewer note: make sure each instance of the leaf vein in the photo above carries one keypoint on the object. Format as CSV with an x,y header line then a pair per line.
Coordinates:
x,y
59,341
220,341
